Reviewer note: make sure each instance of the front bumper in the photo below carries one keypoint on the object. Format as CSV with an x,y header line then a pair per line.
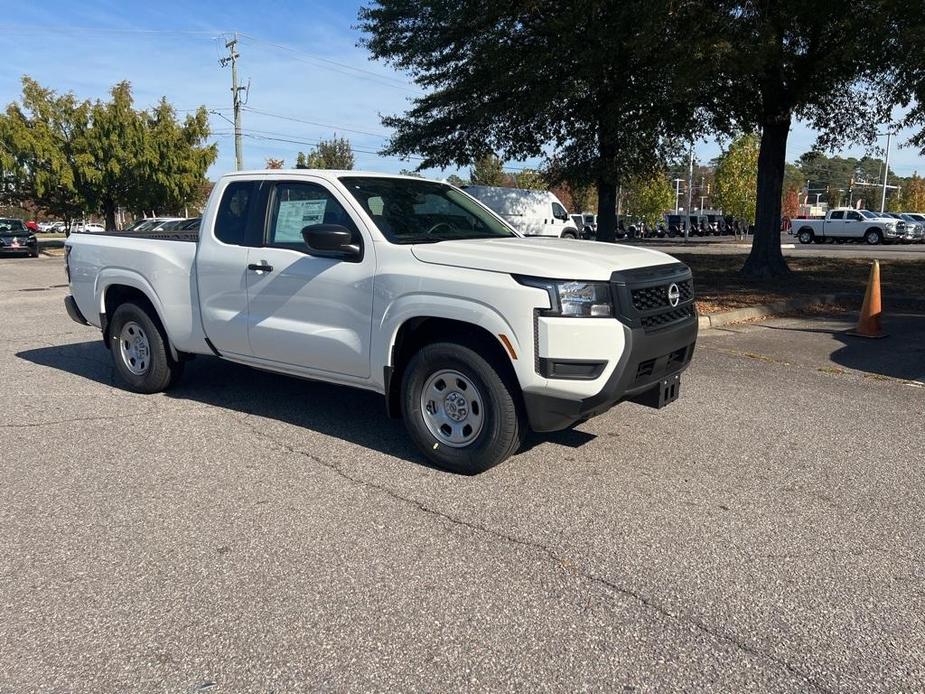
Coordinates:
x,y
22,247
648,361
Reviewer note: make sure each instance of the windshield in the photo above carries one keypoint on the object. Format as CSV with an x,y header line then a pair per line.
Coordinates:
x,y
419,211
11,225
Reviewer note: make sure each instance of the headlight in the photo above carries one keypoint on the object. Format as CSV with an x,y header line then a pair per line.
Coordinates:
x,y
573,298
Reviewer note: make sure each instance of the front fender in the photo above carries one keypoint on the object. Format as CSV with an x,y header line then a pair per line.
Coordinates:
x,y
465,310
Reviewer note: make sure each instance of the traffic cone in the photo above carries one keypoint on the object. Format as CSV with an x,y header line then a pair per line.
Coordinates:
x,y
869,320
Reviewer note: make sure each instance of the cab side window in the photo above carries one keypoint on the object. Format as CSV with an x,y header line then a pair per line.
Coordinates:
x,y
837,215
299,205
854,216
233,212
559,212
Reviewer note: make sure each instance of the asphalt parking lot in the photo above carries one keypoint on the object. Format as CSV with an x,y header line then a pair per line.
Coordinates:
x,y
249,532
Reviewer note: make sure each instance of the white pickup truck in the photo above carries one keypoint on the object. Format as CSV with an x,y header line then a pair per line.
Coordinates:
x,y
406,287
848,223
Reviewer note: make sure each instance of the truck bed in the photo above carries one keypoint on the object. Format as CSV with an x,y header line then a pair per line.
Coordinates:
x,y
158,263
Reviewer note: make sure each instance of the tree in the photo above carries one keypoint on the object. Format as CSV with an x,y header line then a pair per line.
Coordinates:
x,y
275,163
790,207
649,197
600,86
70,157
911,197
455,180
736,177
488,170
764,63
530,179
335,153
43,151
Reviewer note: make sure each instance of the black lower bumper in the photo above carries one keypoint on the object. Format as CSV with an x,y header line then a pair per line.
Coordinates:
x,y
648,362
73,311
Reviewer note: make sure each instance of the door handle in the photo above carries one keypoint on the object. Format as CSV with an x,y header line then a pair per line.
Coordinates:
x,y
261,267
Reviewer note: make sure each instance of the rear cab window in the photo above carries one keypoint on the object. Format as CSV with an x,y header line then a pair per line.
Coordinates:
x,y
235,212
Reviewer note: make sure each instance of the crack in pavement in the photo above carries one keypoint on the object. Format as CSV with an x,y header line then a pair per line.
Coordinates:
x,y
73,420
645,601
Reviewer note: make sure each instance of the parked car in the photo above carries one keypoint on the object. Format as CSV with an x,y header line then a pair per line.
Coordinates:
x,y
186,224
915,228
676,224
88,228
847,223
16,238
402,286
531,212
150,224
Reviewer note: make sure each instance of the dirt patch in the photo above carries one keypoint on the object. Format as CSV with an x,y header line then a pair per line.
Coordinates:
x,y
719,287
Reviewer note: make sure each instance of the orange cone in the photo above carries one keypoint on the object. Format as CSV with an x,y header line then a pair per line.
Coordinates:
x,y
869,320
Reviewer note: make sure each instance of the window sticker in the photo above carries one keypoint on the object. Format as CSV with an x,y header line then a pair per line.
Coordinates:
x,y
295,215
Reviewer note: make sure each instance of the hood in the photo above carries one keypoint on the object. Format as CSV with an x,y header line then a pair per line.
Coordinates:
x,y
541,257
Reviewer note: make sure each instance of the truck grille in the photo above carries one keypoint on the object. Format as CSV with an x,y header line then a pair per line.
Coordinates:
x,y
648,298
644,296
660,320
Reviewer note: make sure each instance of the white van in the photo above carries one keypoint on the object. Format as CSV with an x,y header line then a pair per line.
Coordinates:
x,y
531,212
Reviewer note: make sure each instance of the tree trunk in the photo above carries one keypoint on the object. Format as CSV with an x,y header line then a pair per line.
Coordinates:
x,y
606,210
766,259
109,210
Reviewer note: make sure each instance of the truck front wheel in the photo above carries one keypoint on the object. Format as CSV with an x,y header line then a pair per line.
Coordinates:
x,y
459,409
873,237
140,351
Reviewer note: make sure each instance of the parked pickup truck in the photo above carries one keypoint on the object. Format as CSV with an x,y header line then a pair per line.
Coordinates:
x,y
406,287
848,223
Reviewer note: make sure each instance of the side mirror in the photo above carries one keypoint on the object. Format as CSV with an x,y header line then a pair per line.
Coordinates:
x,y
331,241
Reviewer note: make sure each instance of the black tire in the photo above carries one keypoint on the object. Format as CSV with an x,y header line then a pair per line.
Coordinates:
x,y
873,237
503,425
34,254
569,234
806,235
160,371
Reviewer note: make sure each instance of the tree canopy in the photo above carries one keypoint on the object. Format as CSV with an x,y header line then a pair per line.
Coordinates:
x,y
649,197
594,84
736,176
69,156
335,153
771,62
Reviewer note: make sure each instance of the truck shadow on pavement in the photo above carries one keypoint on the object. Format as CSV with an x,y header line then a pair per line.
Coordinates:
x,y
350,414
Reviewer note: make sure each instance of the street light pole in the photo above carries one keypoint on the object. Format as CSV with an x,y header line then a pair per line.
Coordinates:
x,y
886,171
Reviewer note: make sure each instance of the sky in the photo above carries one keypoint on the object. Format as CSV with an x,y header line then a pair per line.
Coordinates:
x,y
301,60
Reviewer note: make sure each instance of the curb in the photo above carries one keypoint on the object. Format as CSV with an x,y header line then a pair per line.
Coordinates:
x,y
717,320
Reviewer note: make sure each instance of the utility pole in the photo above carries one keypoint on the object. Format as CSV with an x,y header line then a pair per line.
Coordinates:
x,y
677,195
232,58
886,171
702,189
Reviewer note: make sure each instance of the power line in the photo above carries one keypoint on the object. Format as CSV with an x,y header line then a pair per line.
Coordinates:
x,y
395,82
44,29
311,122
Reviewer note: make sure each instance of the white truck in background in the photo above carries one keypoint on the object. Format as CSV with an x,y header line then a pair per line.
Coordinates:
x,y
847,223
531,212
398,285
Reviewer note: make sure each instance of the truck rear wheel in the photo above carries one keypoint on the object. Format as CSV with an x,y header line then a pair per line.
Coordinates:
x,y
806,236
140,352
459,409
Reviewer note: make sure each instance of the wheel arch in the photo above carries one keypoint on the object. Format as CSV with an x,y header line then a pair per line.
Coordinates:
x,y
116,293
418,331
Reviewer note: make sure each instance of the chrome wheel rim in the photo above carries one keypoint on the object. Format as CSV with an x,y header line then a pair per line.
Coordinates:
x,y
452,408
134,348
